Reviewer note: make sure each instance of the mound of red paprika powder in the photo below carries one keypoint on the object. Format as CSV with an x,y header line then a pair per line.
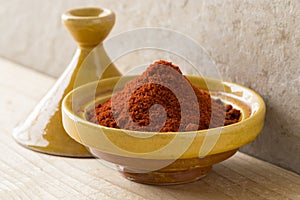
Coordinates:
x,y
162,99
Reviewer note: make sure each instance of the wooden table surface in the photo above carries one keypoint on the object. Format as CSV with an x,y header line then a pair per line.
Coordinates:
x,y
25,174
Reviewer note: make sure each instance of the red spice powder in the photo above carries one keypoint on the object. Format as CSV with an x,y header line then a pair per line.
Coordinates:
x,y
163,100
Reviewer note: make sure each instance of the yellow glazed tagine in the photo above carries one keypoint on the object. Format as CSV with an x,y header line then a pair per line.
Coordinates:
x,y
169,157
43,130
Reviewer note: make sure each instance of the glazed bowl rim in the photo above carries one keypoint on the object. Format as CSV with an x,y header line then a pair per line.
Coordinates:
x,y
75,117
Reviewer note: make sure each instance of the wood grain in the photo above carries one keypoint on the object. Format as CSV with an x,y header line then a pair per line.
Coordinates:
x,y
25,174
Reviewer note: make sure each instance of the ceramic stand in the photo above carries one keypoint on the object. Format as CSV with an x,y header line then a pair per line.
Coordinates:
x,y
43,130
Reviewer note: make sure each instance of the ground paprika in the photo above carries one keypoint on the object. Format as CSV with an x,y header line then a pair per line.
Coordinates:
x,y
159,100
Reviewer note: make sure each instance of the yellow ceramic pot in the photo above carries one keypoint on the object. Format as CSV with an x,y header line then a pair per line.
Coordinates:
x,y
42,131
163,158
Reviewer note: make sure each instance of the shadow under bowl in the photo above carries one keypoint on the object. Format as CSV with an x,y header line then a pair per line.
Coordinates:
x,y
163,158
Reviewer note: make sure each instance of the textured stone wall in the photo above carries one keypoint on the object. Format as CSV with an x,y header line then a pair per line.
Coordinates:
x,y
255,43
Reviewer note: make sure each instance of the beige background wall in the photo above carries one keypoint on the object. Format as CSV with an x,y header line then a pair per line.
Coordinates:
x,y
255,43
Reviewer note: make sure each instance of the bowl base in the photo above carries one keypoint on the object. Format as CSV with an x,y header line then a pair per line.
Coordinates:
x,y
168,178
176,172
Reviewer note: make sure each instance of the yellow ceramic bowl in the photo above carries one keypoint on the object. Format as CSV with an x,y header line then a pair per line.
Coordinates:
x,y
163,158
